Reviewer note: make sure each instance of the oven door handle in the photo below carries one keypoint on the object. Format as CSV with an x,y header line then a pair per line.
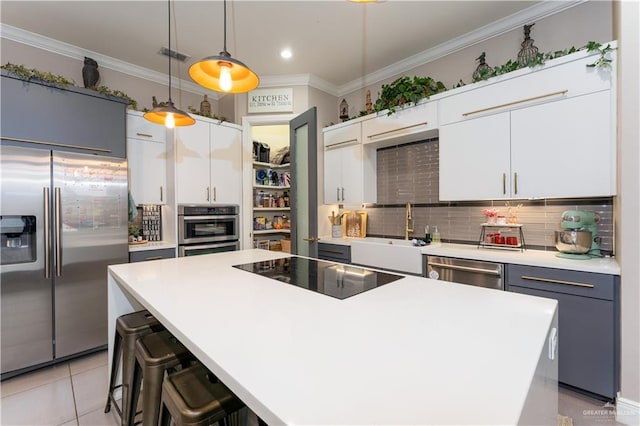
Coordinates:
x,y
208,246
192,218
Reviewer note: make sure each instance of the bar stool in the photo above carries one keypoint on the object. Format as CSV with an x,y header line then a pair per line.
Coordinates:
x,y
156,353
129,328
193,397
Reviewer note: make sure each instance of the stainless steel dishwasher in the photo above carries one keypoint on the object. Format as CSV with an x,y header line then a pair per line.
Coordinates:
x,y
464,271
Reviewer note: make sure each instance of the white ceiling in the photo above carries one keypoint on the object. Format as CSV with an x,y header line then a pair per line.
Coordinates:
x,y
336,41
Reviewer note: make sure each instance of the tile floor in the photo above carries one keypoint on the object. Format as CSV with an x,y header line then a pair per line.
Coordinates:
x,y
74,393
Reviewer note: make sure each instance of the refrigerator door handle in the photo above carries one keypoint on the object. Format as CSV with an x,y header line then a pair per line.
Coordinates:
x,y
47,233
58,231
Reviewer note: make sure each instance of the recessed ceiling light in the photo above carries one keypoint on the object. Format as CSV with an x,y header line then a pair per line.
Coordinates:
x,y
286,53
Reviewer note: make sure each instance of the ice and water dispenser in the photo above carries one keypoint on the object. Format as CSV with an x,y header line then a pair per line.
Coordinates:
x,y
18,239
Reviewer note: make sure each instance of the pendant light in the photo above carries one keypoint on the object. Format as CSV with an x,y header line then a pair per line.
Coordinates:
x,y
223,73
169,115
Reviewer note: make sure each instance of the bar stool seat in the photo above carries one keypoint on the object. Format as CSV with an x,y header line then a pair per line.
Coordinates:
x,y
129,328
156,353
193,397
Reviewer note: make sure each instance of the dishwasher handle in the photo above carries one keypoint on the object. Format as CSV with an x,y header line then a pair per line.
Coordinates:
x,y
466,269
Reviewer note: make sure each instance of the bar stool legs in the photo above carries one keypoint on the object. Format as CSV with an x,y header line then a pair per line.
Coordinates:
x,y
155,354
191,397
129,328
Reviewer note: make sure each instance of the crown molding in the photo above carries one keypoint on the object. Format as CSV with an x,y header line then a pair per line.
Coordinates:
x,y
71,51
494,29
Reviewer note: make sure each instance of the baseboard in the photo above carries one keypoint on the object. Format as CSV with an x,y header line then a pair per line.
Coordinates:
x,y
627,411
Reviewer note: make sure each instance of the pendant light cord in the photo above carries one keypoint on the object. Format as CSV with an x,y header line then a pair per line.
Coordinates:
x,y
225,26
169,28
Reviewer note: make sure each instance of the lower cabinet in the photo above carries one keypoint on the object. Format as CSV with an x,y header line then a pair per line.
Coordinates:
x,y
588,323
144,255
334,252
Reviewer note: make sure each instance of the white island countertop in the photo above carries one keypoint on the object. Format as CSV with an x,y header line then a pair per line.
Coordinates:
x,y
414,351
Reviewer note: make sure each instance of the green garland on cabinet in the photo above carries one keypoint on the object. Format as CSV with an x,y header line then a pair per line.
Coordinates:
x,y
411,90
60,82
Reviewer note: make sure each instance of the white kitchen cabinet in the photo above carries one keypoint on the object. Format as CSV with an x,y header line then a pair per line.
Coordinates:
x,y
560,144
208,164
560,78
475,159
405,125
349,168
556,149
147,159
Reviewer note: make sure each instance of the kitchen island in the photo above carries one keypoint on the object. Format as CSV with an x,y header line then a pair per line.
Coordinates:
x,y
414,351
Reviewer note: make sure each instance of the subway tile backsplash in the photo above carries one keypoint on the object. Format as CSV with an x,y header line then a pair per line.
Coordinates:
x,y
409,173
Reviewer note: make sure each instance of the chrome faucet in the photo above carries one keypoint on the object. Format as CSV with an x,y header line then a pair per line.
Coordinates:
x,y
407,220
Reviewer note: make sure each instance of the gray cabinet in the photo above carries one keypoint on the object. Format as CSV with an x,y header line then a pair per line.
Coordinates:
x,y
144,255
588,323
71,119
334,252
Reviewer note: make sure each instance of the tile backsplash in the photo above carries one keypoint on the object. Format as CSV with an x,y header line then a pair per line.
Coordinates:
x,y
409,173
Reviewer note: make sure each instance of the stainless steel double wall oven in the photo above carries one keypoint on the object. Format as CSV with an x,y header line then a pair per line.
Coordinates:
x,y
204,229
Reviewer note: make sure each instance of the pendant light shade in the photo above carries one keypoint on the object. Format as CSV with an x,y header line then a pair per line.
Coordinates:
x,y
223,73
168,114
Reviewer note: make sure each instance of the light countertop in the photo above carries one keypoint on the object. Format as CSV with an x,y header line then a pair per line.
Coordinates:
x,y
151,245
415,351
547,259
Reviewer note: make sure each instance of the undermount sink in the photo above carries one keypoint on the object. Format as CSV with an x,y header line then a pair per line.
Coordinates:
x,y
386,253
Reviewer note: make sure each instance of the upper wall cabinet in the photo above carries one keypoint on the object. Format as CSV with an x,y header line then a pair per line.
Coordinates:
x,y
147,158
349,167
70,119
209,163
546,133
405,125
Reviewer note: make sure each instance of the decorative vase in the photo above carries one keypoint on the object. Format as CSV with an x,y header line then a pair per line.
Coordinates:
x,y
205,107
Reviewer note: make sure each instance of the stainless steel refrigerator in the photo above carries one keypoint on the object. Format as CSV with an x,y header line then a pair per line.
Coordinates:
x,y
63,221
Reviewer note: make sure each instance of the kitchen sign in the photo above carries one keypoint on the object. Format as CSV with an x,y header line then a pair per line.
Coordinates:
x,y
270,100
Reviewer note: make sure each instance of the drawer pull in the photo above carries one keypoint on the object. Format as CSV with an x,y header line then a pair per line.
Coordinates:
x,y
350,141
560,92
153,258
62,145
397,130
146,135
547,280
331,251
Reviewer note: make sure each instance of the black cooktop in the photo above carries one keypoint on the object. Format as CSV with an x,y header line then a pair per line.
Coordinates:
x,y
331,279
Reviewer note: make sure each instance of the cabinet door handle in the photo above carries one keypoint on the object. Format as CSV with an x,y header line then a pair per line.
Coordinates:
x,y
146,135
208,192
350,141
534,98
338,194
311,239
515,182
547,280
342,194
161,195
153,258
215,196
61,145
424,123
504,183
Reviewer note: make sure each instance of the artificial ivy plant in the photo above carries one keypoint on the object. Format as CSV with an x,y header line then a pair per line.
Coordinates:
x,y
29,74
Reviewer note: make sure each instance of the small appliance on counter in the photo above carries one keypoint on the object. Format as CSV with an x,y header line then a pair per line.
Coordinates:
x,y
578,238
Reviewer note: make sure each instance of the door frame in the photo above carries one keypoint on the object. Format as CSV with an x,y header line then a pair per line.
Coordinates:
x,y
246,218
